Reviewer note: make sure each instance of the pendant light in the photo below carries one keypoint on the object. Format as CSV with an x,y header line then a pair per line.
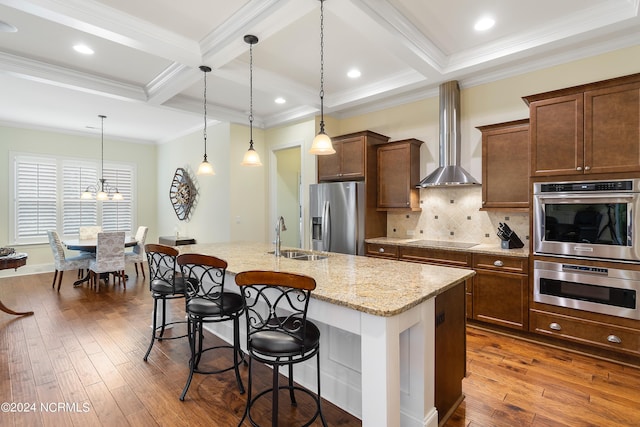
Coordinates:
x,y
251,157
205,167
322,145
102,190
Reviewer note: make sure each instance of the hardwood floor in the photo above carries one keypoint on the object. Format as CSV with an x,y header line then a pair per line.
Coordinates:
x,y
78,362
513,382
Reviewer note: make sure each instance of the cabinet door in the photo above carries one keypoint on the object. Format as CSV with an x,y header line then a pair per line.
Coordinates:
x,y
612,129
501,298
393,176
557,135
505,165
352,158
329,166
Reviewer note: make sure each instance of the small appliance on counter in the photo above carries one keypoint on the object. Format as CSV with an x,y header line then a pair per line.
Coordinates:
x,y
510,239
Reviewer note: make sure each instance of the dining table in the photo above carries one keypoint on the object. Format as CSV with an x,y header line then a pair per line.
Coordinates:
x,y
14,260
90,245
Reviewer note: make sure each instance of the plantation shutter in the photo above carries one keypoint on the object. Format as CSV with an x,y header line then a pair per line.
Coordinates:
x,y
35,198
77,212
118,215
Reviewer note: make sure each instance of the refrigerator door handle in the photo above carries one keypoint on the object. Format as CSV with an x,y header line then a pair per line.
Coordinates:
x,y
326,227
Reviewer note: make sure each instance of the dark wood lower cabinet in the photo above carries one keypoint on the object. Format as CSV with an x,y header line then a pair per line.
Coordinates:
x,y
450,351
501,290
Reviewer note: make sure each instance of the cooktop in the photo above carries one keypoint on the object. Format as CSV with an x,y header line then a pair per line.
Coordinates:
x,y
445,244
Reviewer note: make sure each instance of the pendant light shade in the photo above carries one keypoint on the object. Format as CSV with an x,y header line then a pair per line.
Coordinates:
x,y
205,167
251,157
102,190
322,145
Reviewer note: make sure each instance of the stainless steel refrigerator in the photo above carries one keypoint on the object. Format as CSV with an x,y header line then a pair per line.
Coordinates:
x,y
337,217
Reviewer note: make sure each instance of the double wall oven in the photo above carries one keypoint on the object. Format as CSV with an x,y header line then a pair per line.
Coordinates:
x,y
578,223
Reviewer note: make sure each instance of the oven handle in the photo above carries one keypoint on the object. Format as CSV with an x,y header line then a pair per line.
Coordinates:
x,y
588,198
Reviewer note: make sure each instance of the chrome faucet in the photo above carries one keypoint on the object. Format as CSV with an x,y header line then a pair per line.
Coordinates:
x,y
280,226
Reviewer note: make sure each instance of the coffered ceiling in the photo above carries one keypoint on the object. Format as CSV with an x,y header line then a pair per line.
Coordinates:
x,y
144,72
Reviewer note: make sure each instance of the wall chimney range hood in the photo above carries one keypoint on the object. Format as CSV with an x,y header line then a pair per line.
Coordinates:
x,y
449,172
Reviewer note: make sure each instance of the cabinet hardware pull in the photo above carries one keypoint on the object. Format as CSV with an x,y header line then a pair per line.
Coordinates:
x,y
498,263
614,339
579,168
381,250
555,326
587,168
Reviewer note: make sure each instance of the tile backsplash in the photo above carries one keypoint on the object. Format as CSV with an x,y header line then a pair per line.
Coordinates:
x,y
452,213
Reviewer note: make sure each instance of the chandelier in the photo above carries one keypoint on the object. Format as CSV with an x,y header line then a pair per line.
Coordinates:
x,y
101,189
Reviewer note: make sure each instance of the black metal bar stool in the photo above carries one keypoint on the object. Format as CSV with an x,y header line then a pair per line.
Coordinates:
x,y
165,284
208,303
278,333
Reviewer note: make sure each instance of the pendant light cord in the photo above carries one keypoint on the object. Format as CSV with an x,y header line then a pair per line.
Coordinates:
x,y
205,115
321,66
102,117
251,96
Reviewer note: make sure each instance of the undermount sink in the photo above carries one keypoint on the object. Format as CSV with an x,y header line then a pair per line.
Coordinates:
x,y
300,255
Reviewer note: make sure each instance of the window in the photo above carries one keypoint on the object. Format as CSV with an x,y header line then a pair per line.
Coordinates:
x,y
35,198
47,196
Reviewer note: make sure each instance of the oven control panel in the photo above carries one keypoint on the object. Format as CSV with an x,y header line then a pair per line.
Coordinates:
x,y
568,187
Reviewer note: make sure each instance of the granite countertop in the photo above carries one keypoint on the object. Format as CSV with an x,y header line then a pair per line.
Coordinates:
x,y
452,246
375,286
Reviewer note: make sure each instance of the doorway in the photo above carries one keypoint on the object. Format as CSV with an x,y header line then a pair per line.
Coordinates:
x,y
288,195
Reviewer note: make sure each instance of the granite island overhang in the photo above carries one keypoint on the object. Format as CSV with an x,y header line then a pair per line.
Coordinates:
x,y
384,308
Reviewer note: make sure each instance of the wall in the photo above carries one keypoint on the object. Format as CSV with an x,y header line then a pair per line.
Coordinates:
x,y
282,137
287,197
230,204
143,156
249,187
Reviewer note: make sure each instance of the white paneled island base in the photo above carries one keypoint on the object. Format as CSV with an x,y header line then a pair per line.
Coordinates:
x,y
377,320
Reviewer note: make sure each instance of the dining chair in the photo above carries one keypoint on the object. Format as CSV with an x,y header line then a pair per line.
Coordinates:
x,y
89,232
279,334
109,257
165,283
137,256
207,303
62,262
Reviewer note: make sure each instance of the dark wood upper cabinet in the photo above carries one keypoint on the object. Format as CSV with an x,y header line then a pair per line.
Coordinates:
x,y
505,166
349,163
588,129
398,175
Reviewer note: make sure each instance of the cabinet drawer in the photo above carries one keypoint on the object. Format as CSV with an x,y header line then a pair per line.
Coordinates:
x,y
435,256
382,250
584,331
507,264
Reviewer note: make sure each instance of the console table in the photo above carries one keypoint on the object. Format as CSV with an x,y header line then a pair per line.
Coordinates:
x,y
13,261
176,241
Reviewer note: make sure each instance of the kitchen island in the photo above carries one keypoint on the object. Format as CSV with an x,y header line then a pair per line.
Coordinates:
x,y
378,328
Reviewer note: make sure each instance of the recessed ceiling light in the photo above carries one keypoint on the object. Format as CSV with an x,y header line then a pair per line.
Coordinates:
x,y
280,100
354,73
5,27
84,49
484,23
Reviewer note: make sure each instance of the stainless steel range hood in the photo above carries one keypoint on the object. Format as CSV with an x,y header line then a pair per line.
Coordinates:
x,y
449,172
